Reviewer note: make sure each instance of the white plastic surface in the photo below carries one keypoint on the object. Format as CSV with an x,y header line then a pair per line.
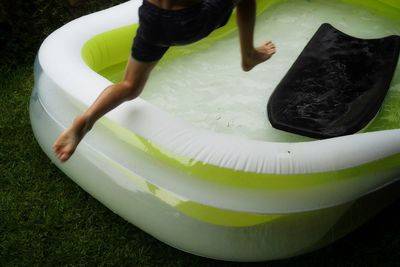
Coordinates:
x,y
124,177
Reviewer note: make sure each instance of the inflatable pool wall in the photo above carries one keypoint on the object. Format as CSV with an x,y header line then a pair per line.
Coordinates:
x,y
206,193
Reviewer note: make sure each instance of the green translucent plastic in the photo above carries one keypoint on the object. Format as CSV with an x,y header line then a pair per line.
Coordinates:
x,y
95,51
97,56
241,179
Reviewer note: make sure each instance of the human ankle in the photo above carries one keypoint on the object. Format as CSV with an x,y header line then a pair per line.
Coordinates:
x,y
248,54
84,123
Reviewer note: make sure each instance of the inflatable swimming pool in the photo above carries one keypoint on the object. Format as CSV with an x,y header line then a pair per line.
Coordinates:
x,y
210,193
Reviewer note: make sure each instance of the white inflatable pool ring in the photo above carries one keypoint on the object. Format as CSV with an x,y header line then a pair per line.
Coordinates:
x,y
207,193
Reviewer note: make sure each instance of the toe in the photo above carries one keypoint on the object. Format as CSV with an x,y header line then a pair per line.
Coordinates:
x,y
64,156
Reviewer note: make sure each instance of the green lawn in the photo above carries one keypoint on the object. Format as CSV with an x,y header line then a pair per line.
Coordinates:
x,y
47,220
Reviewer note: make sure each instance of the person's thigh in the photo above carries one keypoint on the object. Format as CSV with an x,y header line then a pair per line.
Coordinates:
x,y
137,72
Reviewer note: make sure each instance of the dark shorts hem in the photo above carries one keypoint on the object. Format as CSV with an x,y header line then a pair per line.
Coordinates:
x,y
159,28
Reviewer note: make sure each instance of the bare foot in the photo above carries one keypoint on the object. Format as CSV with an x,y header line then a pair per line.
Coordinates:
x,y
258,55
67,142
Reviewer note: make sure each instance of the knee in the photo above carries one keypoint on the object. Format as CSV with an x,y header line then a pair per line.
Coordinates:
x,y
131,90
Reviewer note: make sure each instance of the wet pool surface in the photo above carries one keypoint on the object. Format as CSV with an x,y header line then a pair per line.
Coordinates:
x,y
209,89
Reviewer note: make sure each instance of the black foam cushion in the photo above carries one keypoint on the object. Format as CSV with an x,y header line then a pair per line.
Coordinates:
x,y
336,86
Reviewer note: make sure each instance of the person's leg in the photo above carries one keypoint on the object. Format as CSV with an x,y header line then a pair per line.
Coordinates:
x,y
136,75
246,17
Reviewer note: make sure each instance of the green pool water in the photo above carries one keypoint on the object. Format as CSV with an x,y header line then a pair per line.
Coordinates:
x,y
208,88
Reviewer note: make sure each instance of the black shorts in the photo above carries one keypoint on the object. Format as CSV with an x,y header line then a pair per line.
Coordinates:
x,y
160,28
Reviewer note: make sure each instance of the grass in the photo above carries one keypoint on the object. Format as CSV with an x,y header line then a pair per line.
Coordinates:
x,y
47,220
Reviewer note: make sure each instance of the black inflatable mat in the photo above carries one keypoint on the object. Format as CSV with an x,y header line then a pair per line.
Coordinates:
x,y
336,86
